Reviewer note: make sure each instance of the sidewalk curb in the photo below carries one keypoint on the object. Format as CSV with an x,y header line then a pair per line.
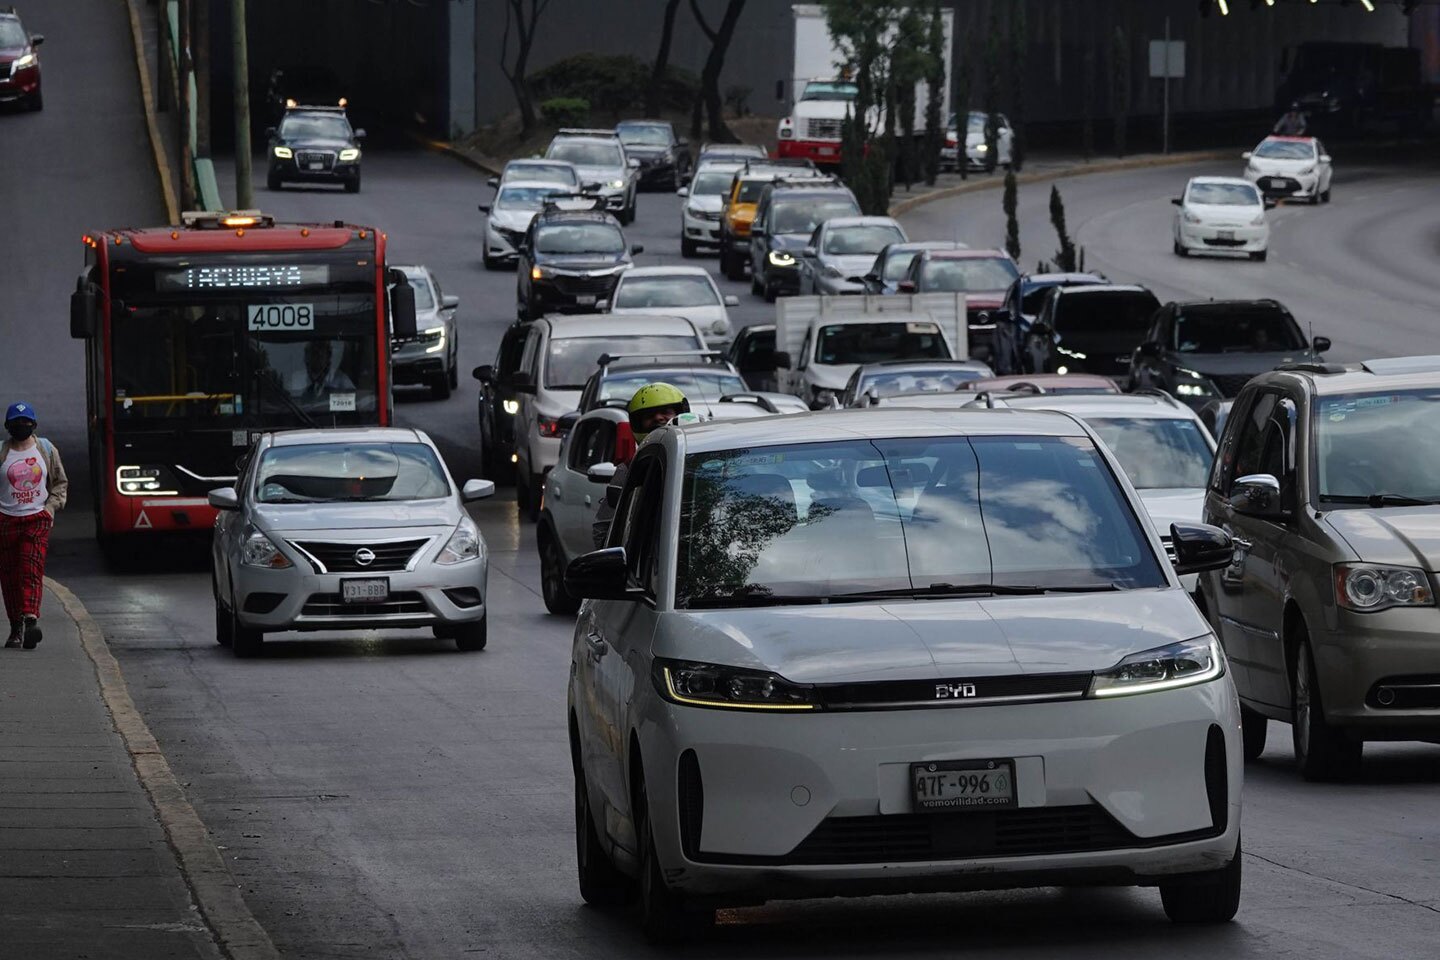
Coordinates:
x,y
152,126
440,146
235,929
1104,166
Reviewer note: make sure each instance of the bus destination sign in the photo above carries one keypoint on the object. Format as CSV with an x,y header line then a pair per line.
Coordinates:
x,y
261,276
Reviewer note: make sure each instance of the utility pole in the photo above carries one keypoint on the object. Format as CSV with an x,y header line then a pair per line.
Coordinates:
x,y
244,195
200,54
1165,135
187,130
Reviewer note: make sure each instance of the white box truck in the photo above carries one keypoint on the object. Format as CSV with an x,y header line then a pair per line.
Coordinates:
x,y
817,95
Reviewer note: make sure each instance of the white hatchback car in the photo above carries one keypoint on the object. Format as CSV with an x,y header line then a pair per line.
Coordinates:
x,y
680,291
703,197
1221,215
882,651
1295,167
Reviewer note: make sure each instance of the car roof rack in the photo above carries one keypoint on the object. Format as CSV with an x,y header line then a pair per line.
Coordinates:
x,y
318,107
606,359
778,162
1155,392
759,400
586,132
819,180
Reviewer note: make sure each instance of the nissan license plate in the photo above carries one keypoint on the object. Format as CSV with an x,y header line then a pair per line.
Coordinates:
x,y
365,591
958,785
1225,234
585,299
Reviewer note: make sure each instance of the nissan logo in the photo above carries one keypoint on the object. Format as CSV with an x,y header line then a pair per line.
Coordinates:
x,y
364,556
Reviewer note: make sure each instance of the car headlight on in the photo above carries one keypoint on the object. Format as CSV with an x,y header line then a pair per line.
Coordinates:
x,y
284,153
538,273
779,258
982,148
29,60
349,154
511,407
464,544
728,688
1368,587
435,336
616,184
1180,664
260,551
1192,384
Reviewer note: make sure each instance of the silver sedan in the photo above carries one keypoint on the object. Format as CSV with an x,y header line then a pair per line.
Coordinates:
x,y
842,250
347,530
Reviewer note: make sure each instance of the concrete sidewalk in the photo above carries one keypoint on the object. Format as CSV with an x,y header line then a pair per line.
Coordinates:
x,y
86,869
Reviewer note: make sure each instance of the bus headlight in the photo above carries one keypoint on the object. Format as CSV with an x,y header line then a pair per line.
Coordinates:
x,y
137,481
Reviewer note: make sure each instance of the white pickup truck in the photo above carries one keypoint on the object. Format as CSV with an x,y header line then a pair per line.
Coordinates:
x,y
819,341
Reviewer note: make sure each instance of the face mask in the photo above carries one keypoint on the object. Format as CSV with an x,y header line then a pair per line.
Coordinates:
x,y
20,430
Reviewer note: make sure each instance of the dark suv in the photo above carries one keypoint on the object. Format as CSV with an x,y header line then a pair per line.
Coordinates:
x,y
19,63
785,217
314,145
498,405
1089,329
1022,302
571,258
664,157
1208,350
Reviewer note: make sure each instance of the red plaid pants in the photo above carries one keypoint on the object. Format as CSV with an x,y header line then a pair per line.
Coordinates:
x,y
24,541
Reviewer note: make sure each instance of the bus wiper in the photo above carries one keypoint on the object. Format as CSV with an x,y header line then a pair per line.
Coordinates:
x,y
1379,499
289,401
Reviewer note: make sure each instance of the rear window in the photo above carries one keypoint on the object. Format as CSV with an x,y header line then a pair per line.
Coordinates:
x,y
677,291
861,239
804,214
1105,312
874,342
970,273
587,154
572,360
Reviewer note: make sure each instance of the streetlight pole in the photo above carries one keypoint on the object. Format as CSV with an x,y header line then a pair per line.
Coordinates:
x,y
244,195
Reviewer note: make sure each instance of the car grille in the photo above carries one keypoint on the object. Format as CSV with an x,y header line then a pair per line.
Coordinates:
x,y
975,691
1216,242
823,129
404,603
5,70
340,557
1281,185
306,157
571,285
512,237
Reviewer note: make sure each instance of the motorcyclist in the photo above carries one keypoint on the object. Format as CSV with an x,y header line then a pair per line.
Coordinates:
x,y
652,407
1292,124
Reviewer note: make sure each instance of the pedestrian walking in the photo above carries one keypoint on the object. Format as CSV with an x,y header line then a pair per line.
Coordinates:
x,y
33,487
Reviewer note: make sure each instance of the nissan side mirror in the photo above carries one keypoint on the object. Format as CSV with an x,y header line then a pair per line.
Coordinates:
x,y
600,575
1200,547
402,306
600,472
449,302
485,373
225,498
483,207
636,248
1256,495
782,360
731,300
522,382
477,490
1320,344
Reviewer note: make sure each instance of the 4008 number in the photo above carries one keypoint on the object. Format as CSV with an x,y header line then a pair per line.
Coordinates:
x,y
282,316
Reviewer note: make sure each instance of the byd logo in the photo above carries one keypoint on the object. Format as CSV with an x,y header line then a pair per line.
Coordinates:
x,y
954,691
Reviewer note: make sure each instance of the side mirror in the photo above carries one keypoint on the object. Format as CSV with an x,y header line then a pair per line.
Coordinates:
x,y
601,472
612,496
493,182
402,306
1247,155
1257,495
1320,344
1324,158
224,498
809,251
522,382
84,310
360,134
483,207
906,286
782,360
600,575
1270,203
1177,201
449,302
860,280
36,39
731,300
1200,547
682,191
485,373
567,422
1149,348
757,231
637,248
602,306
632,163
477,490
269,133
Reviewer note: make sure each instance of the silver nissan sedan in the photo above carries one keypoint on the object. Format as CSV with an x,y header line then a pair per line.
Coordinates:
x,y
347,529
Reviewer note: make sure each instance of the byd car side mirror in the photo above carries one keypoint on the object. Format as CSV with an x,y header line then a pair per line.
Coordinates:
x,y
599,575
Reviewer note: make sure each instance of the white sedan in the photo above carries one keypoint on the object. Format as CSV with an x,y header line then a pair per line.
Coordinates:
x,y
1293,167
977,150
1221,215
688,292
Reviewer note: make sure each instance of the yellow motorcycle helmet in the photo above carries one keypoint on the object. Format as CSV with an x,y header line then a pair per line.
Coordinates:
x,y
651,397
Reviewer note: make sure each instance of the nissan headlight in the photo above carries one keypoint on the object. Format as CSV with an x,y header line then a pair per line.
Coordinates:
x,y
260,551
728,688
28,60
1367,587
1175,665
779,258
284,153
464,544
349,155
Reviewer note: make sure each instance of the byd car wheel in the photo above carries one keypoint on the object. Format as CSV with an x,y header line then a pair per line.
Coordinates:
x,y
1206,897
1322,752
601,885
665,917
1254,727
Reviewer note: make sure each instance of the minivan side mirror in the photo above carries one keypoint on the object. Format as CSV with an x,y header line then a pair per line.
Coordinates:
x,y
1320,344
225,498
600,575
1257,495
1200,547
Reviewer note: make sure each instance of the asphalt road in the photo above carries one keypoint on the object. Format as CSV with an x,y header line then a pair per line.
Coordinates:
x,y
393,798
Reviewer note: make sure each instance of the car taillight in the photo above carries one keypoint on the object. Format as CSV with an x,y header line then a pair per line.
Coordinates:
x,y
549,426
951,142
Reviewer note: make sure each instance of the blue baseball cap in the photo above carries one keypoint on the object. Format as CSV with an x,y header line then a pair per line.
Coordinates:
x,y
20,411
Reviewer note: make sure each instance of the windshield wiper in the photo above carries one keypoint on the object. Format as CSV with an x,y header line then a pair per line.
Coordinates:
x,y
1379,499
289,401
942,590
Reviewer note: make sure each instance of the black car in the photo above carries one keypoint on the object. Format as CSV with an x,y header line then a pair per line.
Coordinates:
x,y
314,145
1012,319
753,354
785,218
19,63
499,404
1089,329
1209,349
571,258
893,378
664,157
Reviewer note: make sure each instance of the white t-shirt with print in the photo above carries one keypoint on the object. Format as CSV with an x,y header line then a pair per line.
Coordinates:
x,y
24,485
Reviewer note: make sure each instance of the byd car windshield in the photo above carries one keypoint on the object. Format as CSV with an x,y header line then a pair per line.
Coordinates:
x,y
329,472
1379,443
899,518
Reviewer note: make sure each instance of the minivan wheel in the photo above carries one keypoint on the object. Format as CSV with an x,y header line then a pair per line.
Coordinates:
x,y
1254,727
665,917
1211,897
1322,752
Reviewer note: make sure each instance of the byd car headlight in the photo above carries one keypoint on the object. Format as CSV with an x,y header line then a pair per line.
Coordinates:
x,y
260,551
464,544
1367,587
779,258
1180,664
728,688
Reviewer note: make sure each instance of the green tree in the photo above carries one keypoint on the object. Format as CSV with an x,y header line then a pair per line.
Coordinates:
x,y
992,87
962,117
1066,258
1019,44
1012,223
934,95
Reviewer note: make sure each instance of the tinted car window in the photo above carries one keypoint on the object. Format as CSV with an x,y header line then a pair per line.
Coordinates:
x,y
678,291
873,342
579,238
1229,330
1156,453
970,273
1105,313
648,134
804,214
314,127
325,472
829,519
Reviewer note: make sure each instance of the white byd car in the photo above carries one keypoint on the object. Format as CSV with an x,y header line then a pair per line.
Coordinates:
x,y
882,651
1221,215
1295,167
